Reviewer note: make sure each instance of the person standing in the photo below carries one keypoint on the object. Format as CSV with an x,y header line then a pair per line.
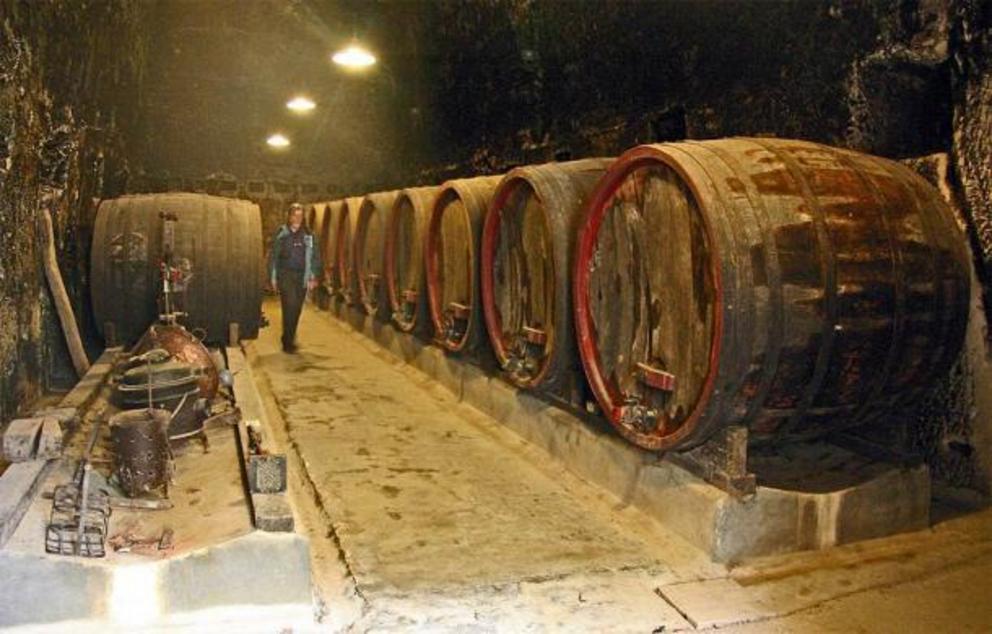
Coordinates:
x,y
294,268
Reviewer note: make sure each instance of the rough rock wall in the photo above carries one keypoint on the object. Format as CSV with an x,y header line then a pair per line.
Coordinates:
x,y
524,81
954,427
68,76
476,87
971,65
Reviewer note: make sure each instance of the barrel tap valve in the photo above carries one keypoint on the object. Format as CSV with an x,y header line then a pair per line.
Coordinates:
x,y
521,363
408,306
455,322
452,330
372,282
636,414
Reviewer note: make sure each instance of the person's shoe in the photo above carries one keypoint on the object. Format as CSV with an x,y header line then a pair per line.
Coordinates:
x,y
289,348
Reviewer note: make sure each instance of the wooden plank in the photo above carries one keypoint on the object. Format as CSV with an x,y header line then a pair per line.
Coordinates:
x,y
374,242
507,266
86,389
68,417
50,439
680,289
20,483
538,267
523,267
608,301
408,251
721,461
20,439
245,392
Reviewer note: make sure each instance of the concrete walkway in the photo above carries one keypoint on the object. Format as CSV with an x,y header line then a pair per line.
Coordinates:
x,y
430,516
446,518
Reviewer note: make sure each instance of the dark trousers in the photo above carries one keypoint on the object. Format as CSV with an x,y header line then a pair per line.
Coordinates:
x,y
291,294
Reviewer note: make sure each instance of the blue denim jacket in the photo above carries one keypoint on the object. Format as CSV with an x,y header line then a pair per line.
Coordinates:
x,y
312,257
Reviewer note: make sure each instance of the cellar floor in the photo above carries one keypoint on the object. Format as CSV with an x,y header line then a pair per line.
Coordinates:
x,y
424,514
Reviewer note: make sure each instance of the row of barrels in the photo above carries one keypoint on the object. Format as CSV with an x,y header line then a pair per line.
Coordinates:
x,y
788,286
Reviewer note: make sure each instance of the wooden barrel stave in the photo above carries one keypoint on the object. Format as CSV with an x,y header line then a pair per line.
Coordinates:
x,y
316,220
315,217
346,285
327,237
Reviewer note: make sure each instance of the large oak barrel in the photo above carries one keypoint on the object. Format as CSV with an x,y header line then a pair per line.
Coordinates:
x,y
346,286
273,214
220,237
792,287
526,259
451,260
370,241
405,234
315,217
328,238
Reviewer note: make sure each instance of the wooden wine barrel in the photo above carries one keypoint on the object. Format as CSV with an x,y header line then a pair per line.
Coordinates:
x,y
346,285
220,237
404,264
788,286
316,213
273,214
528,240
327,237
369,245
315,216
451,261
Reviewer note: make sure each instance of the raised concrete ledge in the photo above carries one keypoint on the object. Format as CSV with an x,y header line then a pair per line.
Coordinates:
x,y
260,570
772,521
40,589
252,577
270,511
